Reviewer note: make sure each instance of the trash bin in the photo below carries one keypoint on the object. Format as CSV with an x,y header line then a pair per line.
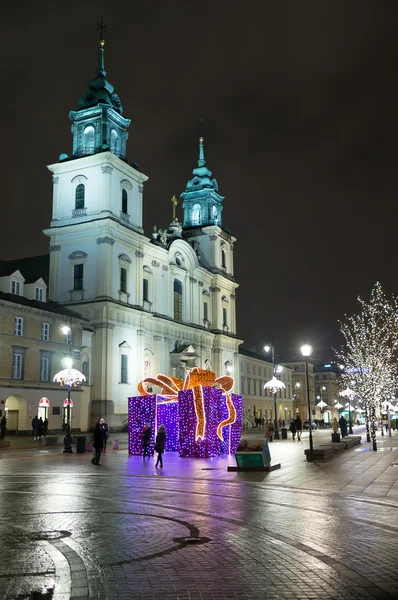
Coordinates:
x,y
284,433
115,444
80,444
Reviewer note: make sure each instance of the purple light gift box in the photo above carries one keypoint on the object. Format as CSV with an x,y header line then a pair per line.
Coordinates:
x,y
179,419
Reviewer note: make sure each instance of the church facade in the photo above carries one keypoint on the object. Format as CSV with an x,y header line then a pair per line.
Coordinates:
x,y
159,304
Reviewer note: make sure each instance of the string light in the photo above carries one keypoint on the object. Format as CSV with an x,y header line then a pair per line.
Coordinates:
x,y
369,353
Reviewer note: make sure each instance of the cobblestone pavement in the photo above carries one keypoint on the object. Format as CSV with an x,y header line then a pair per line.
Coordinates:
x,y
69,529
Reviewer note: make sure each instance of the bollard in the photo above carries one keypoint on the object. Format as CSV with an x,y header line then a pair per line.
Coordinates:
x,y
115,444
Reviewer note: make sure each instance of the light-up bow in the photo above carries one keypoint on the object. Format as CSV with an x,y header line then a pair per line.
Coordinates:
x,y
195,380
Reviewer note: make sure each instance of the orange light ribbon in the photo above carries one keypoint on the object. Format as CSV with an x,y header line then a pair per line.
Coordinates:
x,y
195,380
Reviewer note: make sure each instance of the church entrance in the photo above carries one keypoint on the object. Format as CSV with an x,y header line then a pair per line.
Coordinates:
x,y
16,412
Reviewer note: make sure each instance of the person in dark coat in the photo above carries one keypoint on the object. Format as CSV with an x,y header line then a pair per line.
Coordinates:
x,y
105,432
293,429
98,443
40,427
35,427
299,427
343,426
146,439
3,427
45,426
159,444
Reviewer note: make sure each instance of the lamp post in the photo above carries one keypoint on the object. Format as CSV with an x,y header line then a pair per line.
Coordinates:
x,y
297,394
306,351
275,387
68,377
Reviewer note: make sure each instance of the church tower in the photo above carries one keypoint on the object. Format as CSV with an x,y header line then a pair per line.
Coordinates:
x,y
202,204
98,123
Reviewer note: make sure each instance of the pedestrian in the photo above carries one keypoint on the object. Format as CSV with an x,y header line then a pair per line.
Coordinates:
x,y
146,440
45,426
335,425
40,427
3,427
270,430
299,427
293,429
159,445
35,427
105,432
343,426
98,443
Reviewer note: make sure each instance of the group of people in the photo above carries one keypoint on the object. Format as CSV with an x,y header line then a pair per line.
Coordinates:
x,y
160,443
39,427
296,428
342,423
100,439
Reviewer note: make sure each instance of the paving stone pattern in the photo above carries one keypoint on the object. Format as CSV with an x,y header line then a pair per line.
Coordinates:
x,y
69,529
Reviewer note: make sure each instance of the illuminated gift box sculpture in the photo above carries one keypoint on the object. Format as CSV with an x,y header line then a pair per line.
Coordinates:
x,y
200,420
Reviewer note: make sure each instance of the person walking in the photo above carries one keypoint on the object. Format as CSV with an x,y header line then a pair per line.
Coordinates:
x,y
293,429
98,443
270,430
146,440
159,445
105,432
299,427
343,426
45,426
35,427
3,427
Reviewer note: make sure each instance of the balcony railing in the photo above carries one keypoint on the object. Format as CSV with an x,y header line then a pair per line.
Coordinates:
x,y
79,212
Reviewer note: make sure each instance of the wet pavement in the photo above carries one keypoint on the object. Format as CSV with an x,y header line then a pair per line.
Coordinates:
x,y
327,530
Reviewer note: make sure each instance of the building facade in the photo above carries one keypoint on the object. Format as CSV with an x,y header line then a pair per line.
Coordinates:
x,y
258,402
159,304
32,348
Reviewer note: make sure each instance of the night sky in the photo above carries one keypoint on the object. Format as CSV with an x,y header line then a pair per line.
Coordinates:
x,y
299,101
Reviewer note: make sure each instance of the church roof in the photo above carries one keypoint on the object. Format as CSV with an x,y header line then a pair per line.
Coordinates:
x,y
100,90
32,268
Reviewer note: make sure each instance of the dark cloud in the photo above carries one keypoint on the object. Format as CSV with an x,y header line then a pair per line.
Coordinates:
x,y
299,104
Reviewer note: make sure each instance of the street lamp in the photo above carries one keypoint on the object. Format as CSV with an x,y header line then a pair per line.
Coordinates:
x,y
68,377
306,351
276,385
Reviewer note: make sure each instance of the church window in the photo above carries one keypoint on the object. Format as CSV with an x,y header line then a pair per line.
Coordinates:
x,y
114,140
124,201
224,317
86,369
195,215
89,139
205,311
177,300
145,288
223,259
79,196
18,326
123,280
123,368
78,277
17,366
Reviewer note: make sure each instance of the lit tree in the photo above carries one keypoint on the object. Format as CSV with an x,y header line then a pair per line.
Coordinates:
x,y
369,354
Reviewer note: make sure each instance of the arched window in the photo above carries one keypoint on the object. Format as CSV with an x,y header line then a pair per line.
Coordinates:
x,y
177,300
89,139
223,259
124,201
79,196
114,140
195,215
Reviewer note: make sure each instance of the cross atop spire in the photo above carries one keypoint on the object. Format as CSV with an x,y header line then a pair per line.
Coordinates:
x,y
101,28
